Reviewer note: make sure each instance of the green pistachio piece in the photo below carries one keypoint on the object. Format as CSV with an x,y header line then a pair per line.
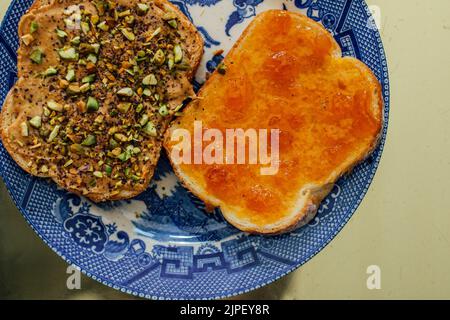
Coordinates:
x,y
68,54
73,90
52,105
150,129
113,143
170,62
150,80
85,87
125,92
178,52
89,141
24,129
54,133
88,79
92,104
103,26
124,156
68,163
144,120
124,13
96,47
36,122
128,34
136,150
61,34
142,8
108,169
124,107
92,58
139,108
34,27
159,58
147,92
170,15
44,169
85,27
163,110
98,174
173,23
36,56
75,41
121,137
70,76
51,71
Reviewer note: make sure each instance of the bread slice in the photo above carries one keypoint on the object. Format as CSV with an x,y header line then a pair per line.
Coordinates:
x,y
102,127
286,73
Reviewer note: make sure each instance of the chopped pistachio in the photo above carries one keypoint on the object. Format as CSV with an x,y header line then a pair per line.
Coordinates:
x,y
128,34
85,27
170,62
68,54
113,143
89,78
98,174
142,8
144,119
150,80
61,34
54,133
121,137
129,20
96,47
73,89
125,92
27,39
173,23
36,122
75,41
34,27
90,140
51,71
170,15
52,105
159,58
155,33
124,156
163,110
24,129
44,169
124,13
147,92
36,55
92,104
108,169
139,108
70,75
178,52
68,163
127,172
85,87
103,26
124,107
150,129
92,58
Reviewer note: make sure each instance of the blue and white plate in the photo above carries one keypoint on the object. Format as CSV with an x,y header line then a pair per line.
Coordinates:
x,y
163,244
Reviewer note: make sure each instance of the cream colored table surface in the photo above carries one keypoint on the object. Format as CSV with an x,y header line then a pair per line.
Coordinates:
x,y
403,224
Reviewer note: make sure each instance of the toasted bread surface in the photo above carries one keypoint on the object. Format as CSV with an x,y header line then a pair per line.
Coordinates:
x,y
93,139
286,72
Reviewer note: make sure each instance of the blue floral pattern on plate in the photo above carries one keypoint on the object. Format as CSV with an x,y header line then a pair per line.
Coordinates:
x,y
163,244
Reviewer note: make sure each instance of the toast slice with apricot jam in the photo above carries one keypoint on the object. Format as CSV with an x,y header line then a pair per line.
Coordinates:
x,y
285,73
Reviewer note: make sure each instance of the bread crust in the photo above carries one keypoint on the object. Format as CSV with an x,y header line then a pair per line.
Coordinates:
x,y
310,196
